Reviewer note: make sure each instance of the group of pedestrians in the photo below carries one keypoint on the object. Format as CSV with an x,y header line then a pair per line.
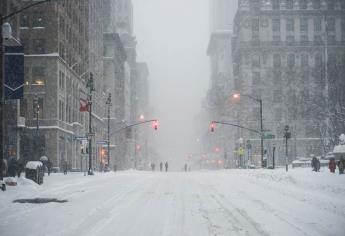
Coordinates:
x,y
12,167
333,165
166,165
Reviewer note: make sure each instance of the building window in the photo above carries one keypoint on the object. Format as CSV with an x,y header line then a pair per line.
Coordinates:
x,y
343,24
61,80
290,40
256,60
331,39
330,4
304,60
24,20
275,4
255,24
304,24
277,76
303,4
276,25
256,80
291,60
25,43
317,24
277,96
38,75
304,39
38,19
317,40
277,60
342,5
38,46
316,4
289,4
278,114
290,24
331,24
318,60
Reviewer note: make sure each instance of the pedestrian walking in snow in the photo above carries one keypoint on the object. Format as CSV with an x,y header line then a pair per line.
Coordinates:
x,y
152,166
20,167
166,166
12,167
161,166
65,168
185,167
314,164
331,165
341,165
49,167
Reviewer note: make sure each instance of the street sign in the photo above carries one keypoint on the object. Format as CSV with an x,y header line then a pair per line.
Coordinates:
x,y
80,138
102,142
269,136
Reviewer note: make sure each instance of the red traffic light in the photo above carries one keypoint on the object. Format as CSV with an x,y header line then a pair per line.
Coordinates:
x,y
213,125
155,124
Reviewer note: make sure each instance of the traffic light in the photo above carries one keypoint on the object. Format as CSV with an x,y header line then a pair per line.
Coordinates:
x,y
155,124
213,125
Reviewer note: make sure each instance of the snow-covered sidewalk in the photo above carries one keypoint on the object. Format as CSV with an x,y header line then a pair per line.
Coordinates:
x,y
226,202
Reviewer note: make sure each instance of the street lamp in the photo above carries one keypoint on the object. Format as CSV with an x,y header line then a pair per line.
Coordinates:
x,y
90,86
259,100
108,102
6,33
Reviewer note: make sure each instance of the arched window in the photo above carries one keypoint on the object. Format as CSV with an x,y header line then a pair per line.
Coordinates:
x,y
304,60
291,60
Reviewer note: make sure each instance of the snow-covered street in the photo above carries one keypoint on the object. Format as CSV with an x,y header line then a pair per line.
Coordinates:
x,y
227,202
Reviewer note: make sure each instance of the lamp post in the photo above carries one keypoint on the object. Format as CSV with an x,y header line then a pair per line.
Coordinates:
x,y
287,135
259,100
90,86
108,102
5,33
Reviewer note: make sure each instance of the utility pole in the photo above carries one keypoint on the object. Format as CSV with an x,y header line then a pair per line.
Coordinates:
x,y
109,105
37,111
261,135
90,86
274,157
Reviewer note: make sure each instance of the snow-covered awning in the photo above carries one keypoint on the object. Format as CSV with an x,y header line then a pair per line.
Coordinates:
x,y
33,165
339,149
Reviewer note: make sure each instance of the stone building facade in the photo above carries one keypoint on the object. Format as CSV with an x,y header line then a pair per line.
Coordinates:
x,y
290,54
56,40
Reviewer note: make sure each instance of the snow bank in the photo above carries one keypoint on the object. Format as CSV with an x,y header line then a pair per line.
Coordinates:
x,y
340,149
33,165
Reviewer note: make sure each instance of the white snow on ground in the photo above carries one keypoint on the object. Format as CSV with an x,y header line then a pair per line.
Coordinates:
x,y
226,202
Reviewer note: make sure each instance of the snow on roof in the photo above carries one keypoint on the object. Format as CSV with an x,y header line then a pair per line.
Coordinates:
x,y
33,165
339,149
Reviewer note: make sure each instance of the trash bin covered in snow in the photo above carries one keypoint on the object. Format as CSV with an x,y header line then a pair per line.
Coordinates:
x,y
34,171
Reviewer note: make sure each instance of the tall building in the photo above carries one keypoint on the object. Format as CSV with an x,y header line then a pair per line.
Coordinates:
x,y
117,83
58,60
291,55
220,17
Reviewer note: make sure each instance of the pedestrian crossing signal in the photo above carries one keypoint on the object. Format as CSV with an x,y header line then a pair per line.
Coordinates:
x,y
213,125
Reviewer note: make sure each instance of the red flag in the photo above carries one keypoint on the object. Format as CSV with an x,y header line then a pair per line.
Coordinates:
x,y
83,105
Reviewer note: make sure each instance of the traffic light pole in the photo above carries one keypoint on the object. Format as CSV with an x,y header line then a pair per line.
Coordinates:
x,y
261,135
109,105
2,106
91,89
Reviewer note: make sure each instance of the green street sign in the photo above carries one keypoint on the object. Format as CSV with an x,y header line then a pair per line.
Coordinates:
x,y
269,136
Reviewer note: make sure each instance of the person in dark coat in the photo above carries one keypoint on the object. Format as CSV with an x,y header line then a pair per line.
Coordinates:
x,y
12,167
49,167
185,167
65,168
166,166
341,165
314,164
20,167
331,165
161,166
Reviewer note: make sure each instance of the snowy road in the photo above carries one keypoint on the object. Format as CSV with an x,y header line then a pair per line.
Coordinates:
x,y
234,202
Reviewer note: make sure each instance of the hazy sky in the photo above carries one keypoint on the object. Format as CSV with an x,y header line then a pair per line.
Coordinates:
x,y
172,38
